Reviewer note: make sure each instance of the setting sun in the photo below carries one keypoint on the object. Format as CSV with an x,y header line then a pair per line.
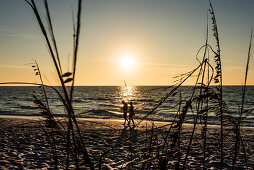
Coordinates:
x,y
127,61
126,84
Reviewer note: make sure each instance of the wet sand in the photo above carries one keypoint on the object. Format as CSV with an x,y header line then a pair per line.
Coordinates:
x,y
24,144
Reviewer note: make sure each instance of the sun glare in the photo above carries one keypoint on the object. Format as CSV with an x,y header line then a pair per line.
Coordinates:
x,y
127,61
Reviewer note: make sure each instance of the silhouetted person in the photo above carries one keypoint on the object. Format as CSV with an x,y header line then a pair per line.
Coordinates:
x,y
131,114
125,111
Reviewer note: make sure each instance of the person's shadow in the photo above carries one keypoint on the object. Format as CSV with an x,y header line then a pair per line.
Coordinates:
x,y
133,133
124,133
128,131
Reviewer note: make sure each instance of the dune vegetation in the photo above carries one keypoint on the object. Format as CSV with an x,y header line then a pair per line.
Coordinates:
x,y
215,139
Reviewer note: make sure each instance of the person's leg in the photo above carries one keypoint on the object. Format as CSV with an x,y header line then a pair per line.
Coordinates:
x,y
125,118
133,121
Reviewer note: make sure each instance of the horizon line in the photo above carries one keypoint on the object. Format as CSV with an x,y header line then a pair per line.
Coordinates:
x,y
111,85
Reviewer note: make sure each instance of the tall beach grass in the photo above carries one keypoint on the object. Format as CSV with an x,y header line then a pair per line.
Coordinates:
x,y
160,147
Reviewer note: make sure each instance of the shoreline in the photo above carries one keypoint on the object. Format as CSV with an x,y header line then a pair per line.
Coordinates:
x,y
115,121
24,145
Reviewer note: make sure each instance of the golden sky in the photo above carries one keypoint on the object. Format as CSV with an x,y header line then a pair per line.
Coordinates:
x,y
142,42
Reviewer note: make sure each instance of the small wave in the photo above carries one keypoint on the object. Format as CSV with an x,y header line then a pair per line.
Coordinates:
x,y
98,98
102,113
78,101
28,107
106,105
99,111
4,112
146,100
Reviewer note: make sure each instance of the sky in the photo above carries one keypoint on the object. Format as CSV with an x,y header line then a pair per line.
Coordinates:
x,y
142,42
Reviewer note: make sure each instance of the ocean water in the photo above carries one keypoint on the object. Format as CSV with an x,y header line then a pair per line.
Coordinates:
x,y
105,101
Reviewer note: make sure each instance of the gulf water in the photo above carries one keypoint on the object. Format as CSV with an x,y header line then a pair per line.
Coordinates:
x,y
106,101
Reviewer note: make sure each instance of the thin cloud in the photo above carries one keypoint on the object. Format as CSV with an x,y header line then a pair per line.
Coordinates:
x,y
167,69
160,64
10,32
15,66
15,35
149,63
25,66
239,68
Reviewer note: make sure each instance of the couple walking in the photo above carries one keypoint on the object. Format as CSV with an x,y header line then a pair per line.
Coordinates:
x,y
131,112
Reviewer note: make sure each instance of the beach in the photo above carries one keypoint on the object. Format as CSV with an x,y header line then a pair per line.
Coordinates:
x,y
186,93
24,145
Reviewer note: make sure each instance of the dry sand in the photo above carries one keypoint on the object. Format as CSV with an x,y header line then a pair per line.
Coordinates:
x,y
24,145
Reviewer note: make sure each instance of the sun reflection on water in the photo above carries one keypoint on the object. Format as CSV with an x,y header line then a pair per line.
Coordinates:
x,y
127,93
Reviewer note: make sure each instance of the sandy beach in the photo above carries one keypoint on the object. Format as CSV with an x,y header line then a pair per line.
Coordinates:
x,y
24,145
179,72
